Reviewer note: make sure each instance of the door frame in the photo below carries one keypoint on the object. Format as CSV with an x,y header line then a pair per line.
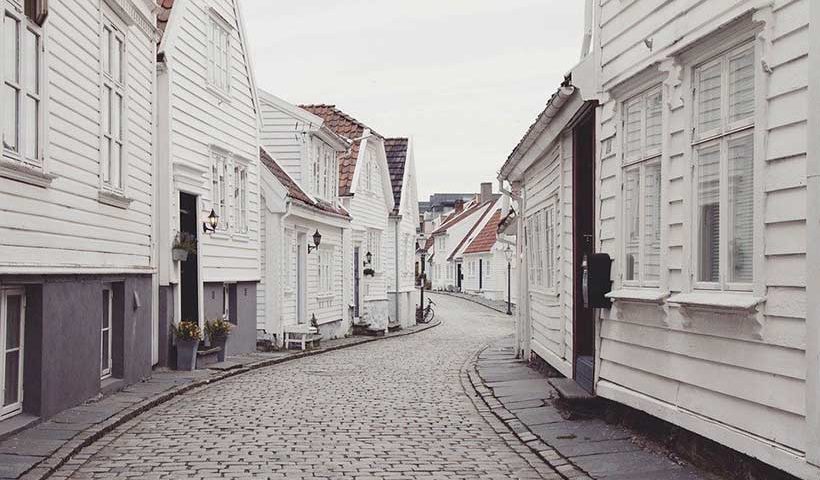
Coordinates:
x,y
200,237
357,282
301,276
17,407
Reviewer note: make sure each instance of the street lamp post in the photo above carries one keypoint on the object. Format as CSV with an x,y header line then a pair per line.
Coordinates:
x,y
509,254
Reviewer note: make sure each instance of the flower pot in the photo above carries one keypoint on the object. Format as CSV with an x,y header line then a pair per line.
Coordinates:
x,y
179,254
220,341
186,354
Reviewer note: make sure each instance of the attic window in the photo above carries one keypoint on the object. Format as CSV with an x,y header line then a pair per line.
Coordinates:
x,y
219,54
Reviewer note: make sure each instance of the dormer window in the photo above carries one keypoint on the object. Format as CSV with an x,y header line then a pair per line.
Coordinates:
x,y
325,171
219,54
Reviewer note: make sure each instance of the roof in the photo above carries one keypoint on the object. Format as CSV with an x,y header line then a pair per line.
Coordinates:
x,y
163,14
294,190
350,129
396,150
487,237
457,217
487,206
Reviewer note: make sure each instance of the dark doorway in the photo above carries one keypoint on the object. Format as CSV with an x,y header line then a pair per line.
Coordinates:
x,y
480,273
583,228
356,280
458,276
189,269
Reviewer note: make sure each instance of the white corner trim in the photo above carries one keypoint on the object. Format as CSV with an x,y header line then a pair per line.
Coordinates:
x,y
639,295
717,301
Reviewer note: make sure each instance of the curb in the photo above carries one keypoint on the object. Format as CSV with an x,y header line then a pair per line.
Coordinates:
x,y
450,294
565,468
90,435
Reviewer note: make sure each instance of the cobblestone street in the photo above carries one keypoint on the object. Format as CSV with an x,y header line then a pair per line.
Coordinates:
x,y
393,409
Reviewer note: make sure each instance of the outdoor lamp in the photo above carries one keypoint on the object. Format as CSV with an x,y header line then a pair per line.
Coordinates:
x,y
508,253
317,239
368,258
210,223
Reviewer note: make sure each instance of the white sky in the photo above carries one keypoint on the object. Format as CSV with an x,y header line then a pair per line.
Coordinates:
x,y
464,78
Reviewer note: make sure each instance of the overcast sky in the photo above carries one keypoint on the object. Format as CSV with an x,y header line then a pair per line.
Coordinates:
x,y
463,78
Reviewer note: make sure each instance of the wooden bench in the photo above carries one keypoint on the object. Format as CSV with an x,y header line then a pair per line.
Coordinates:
x,y
302,335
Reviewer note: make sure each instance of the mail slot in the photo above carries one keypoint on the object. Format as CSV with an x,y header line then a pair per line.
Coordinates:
x,y
599,283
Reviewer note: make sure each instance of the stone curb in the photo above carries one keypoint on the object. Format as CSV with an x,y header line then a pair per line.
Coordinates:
x,y
466,297
90,435
565,467
545,469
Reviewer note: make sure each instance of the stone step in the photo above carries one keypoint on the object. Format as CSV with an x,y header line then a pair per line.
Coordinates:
x,y
570,391
207,357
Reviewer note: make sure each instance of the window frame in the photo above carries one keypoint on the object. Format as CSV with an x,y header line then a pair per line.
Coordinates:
x,y
220,176
722,136
16,11
551,245
325,271
106,333
240,197
109,20
17,407
216,23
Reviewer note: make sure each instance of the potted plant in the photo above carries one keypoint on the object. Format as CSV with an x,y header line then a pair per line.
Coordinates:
x,y
188,336
184,245
217,331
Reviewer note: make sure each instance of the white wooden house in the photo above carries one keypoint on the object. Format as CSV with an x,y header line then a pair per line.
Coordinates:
x,y
208,156
401,234
76,170
485,263
701,187
367,194
299,281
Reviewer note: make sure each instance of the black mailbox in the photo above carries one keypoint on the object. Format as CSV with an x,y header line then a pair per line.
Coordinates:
x,y
600,266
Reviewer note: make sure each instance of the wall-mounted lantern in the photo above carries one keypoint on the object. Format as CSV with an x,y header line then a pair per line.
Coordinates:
x,y
210,223
368,259
317,239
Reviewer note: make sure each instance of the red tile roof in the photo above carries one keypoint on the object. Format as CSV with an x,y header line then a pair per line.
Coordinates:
x,y
163,13
295,191
487,206
486,238
351,129
396,150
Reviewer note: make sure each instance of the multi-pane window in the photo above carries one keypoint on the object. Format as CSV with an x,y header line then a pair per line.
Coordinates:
x,y
549,246
112,105
105,332
12,336
219,45
534,248
724,99
642,188
240,198
219,185
368,170
20,101
374,248
326,270
324,171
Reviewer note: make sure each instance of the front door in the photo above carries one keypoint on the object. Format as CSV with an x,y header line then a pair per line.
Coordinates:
x,y
458,276
301,278
12,332
583,205
480,273
356,282
189,269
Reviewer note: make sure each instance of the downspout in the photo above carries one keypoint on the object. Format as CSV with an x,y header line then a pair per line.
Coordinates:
x,y
396,255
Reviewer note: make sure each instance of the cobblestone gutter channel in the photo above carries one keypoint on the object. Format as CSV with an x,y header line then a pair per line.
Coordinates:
x,y
42,468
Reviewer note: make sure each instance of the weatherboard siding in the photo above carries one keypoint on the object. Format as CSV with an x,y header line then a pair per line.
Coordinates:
x,y
66,219
200,120
281,135
743,372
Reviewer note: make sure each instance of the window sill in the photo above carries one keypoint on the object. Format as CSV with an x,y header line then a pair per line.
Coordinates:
x,y
638,295
22,173
113,199
724,301
221,95
325,296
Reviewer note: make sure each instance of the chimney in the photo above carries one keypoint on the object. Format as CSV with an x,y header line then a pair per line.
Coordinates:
x,y
486,192
459,205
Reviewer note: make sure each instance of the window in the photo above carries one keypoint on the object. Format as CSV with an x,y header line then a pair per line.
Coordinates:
x,y
112,108
324,170
240,198
12,335
105,332
219,51
723,143
641,188
368,169
374,248
549,245
326,270
487,269
535,250
20,102
219,180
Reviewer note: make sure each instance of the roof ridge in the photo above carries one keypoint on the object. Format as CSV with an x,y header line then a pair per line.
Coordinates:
x,y
341,113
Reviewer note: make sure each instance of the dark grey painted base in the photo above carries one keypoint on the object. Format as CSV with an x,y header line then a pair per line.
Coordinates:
x,y
62,337
242,313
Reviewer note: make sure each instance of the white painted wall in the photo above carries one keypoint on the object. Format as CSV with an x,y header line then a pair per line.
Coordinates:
x,y
64,228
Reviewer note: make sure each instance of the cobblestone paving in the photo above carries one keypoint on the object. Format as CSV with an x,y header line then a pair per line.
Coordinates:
x,y
393,409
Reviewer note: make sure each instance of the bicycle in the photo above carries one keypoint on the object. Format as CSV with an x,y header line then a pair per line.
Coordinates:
x,y
426,314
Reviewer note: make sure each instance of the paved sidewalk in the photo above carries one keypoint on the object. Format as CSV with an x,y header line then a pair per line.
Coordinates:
x,y
522,398
497,305
36,452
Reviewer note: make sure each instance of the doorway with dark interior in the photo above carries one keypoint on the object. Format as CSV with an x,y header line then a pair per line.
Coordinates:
x,y
458,276
583,227
189,269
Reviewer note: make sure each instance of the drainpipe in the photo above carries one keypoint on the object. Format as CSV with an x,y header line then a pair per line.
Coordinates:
x,y
396,254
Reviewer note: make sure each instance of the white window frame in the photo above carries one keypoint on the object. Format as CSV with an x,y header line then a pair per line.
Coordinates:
x,y
535,250
217,25
722,136
374,247
17,407
109,138
325,270
106,333
226,302
240,197
15,11
219,188
550,244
